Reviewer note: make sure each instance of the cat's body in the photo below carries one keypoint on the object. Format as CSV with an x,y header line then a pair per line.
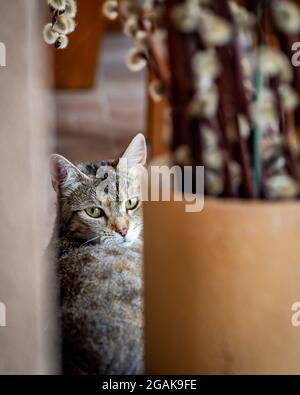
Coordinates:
x,y
101,302
99,266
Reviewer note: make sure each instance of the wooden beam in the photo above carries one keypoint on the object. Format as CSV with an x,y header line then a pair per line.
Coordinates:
x,y
76,66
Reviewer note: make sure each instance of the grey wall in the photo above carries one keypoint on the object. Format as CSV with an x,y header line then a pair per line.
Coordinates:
x,y
26,112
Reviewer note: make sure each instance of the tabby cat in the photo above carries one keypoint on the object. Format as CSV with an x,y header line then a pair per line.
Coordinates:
x,y
98,240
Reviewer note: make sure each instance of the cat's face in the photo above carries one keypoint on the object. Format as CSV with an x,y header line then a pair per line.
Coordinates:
x,y
101,202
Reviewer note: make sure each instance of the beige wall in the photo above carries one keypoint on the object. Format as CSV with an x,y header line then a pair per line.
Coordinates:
x,y
26,111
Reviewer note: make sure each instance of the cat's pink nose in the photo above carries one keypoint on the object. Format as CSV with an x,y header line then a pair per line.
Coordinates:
x,y
122,231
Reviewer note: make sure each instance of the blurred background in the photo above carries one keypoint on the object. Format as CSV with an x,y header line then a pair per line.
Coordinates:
x,y
100,104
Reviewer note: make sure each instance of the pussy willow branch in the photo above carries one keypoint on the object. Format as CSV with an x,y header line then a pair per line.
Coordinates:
x,y
233,78
173,63
182,86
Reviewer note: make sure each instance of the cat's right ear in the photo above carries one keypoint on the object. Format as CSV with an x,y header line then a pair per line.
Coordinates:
x,y
63,173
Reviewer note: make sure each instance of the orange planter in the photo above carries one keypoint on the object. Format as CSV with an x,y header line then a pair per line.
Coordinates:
x,y
219,287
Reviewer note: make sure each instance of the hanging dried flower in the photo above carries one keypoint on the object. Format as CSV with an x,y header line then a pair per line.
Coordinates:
x,y
131,26
245,22
271,146
282,187
213,159
244,126
110,9
287,16
157,90
275,165
273,63
50,36
63,23
141,39
206,67
289,97
71,8
243,18
59,5
186,17
136,59
205,104
62,41
214,30
264,113
129,8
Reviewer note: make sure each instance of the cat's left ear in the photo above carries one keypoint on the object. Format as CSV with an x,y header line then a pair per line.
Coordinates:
x,y
63,173
136,153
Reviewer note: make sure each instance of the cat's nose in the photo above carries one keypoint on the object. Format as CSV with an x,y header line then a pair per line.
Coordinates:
x,y
122,231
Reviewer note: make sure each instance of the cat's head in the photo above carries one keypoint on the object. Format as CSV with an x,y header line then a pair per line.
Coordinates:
x,y
101,201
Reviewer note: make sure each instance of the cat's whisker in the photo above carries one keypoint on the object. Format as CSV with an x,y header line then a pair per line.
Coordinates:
x,y
88,241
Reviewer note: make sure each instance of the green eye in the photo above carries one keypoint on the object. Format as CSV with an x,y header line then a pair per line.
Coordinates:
x,y
95,212
131,204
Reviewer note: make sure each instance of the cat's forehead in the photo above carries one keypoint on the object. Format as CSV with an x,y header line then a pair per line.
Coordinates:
x,y
112,183
114,186
92,169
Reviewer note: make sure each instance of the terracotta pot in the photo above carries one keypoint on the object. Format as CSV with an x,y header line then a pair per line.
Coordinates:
x,y
219,288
